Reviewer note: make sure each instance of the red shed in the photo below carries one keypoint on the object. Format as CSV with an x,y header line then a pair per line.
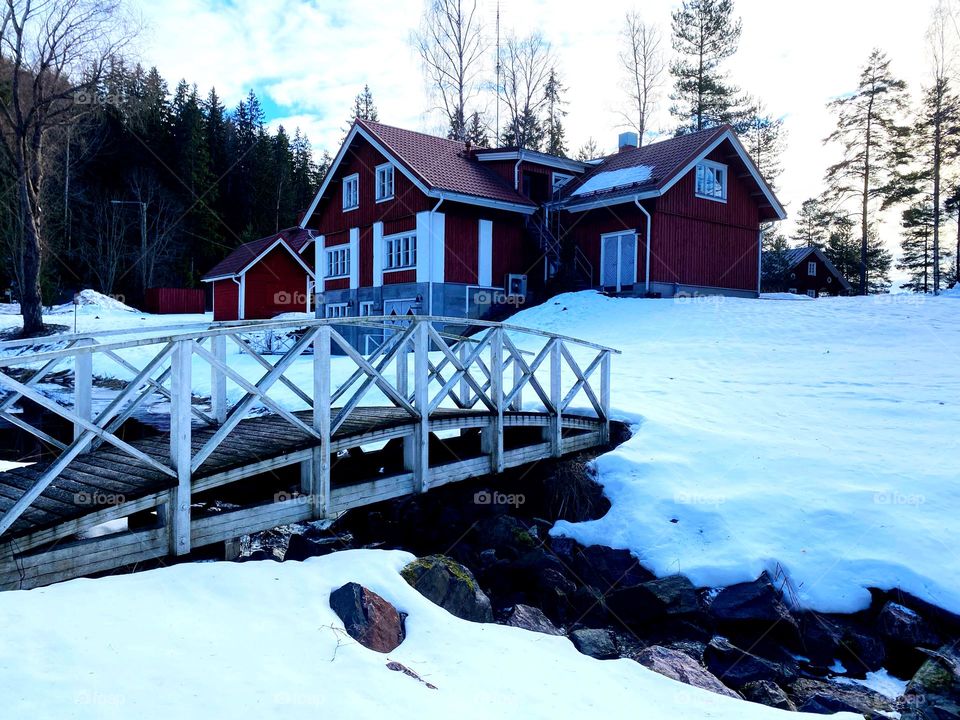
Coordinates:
x,y
264,278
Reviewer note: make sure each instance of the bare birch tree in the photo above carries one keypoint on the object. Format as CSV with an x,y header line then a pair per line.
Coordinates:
x,y
53,56
642,60
451,47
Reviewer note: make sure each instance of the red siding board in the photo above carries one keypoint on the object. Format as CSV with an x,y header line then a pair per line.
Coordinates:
x,y
226,294
277,284
510,253
461,251
166,301
589,226
399,276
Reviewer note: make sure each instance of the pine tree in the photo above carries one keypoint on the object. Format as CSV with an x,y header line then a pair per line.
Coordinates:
x,y
589,151
705,33
764,136
873,149
477,131
813,225
916,247
774,267
556,142
364,107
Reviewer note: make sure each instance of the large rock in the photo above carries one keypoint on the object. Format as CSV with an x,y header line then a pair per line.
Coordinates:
x,y
533,619
901,625
368,618
673,595
934,691
604,568
736,667
683,668
768,693
450,585
504,533
825,698
753,603
600,644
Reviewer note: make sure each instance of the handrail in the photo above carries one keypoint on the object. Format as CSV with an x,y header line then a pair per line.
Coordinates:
x,y
217,329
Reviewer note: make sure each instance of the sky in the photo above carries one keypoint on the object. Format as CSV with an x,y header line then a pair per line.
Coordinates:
x,y
307,60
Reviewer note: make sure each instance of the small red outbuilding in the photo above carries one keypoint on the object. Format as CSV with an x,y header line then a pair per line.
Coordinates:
x,y
264,278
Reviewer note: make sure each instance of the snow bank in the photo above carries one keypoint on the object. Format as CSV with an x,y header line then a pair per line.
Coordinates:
x,y
818,437
614,178
93,299
258,640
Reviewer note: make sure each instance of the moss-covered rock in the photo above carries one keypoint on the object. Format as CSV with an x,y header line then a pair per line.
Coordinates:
x,y
450,585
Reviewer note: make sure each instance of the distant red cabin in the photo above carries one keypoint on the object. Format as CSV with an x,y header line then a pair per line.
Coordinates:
x,y
264,278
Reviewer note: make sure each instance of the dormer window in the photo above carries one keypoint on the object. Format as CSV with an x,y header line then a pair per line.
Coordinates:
x,y
351,192
812,269
712,181
384,182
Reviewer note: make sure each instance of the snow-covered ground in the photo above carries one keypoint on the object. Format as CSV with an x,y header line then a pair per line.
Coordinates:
x,y
817,436
259,640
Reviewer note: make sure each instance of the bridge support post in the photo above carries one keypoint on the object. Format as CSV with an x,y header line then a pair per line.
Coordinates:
x,y
82,387
181,388
555,429
416,447
317,475
605,396
517,379
218,379
493,440
463,354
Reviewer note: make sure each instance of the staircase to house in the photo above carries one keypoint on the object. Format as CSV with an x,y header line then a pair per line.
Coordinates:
x,y
566,265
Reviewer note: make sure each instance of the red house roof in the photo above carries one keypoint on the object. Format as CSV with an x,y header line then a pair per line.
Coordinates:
x,y
238,261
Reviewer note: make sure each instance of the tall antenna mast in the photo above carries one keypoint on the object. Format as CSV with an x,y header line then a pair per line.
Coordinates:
x,y
496,140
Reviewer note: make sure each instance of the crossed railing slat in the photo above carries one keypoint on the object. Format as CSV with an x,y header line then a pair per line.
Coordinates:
x,y
487,369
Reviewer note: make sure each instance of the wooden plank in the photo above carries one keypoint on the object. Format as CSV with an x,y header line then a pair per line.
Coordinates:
x,y
371,491
224,526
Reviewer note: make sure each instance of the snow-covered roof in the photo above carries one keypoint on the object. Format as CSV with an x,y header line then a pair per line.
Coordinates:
x,y
614,179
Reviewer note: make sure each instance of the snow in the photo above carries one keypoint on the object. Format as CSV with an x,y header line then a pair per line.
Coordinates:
x,y
93,299
816,438
259,640
614,178
879,681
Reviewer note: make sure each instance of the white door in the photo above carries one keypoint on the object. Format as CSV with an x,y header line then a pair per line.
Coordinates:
x,y
397,308
618,260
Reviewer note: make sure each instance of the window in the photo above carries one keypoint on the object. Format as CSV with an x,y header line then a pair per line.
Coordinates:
x,y
400,251
712,181
366,308
351,192
812,293
338,262
337,310
812,269
384,182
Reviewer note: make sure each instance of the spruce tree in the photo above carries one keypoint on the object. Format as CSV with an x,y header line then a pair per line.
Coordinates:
x,y
364,107
916,247
555,141
774,267
873,149
705,34
477,131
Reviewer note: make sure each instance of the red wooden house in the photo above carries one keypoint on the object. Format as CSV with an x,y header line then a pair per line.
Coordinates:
x,y
264,278
407,222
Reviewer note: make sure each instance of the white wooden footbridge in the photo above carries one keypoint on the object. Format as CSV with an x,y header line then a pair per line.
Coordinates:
x,y
417,385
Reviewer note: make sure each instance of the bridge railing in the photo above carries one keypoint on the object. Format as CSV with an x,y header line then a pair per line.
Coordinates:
x,y
417,368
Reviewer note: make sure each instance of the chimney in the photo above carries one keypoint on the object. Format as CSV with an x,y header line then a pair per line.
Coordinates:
x,y
627,141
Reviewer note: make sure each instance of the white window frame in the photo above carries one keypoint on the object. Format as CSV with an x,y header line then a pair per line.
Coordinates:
x,y
337,263
812,293
558,180
366,308
700,176
353,180
383,192
334,311
399,255
812,268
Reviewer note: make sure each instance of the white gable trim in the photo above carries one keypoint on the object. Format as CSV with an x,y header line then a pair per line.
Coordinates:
x,y
418,182
261,256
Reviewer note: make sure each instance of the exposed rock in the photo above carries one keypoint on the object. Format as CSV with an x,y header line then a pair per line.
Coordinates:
x,y
533,619
301,547
673,595
822,697
590,607
756,603
693,648
736,667
555,592
902,625
769,694
449,585
368,618
861,652
604,568
400,667
598,644
680,666
504,532
934,691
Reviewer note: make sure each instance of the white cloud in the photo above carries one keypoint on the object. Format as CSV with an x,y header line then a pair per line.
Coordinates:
x,y
311,58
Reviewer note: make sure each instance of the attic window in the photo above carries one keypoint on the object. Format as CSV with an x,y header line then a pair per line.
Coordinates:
x,y
351,192
384,182
712,181
812,269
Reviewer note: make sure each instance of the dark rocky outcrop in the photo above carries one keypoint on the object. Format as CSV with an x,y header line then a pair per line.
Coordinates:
x,y
450,585
737,667
533,619
768,693
368,618
604,568
934,691
599,644
673,595
822,697
681,667
754,609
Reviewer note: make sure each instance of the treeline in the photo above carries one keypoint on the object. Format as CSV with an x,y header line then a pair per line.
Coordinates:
x,y
152,186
